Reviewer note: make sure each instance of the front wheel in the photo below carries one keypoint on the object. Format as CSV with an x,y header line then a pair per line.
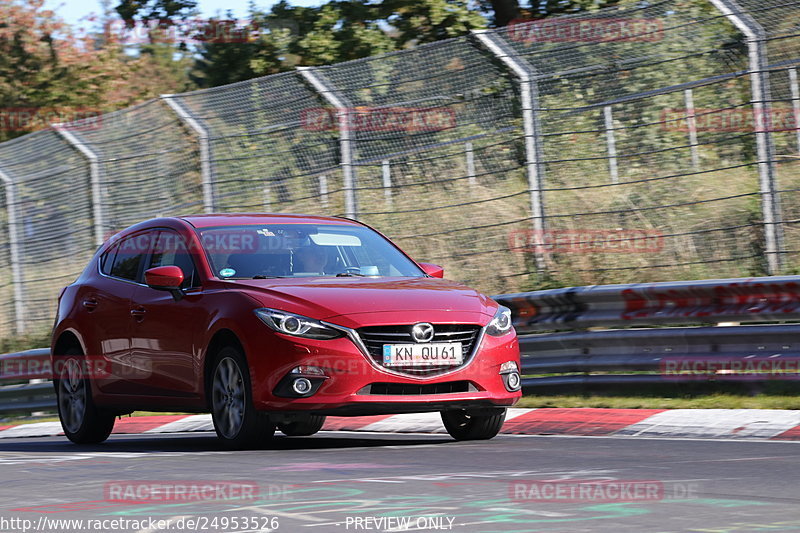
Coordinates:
x,y
303,427
462,425
237,423
82,421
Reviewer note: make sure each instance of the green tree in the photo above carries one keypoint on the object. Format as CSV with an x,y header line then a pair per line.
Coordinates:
x,y
429,20
46,73
162,11
288,36
503,12
341,30
49,74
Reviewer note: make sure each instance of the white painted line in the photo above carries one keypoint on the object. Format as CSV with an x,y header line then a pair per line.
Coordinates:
x,y
190,423
410,423
421,422
715,423
40,429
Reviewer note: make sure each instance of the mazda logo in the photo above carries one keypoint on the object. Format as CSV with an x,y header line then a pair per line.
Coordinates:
x,y
422,332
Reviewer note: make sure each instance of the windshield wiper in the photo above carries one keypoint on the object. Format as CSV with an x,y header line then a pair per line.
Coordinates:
x,y
262,276
349,275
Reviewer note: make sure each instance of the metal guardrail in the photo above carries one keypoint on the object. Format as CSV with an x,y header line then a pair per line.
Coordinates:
x,y
768,299
25,385
648,332
662,332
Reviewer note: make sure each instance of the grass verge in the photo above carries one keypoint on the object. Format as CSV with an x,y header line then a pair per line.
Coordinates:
x,y
711,401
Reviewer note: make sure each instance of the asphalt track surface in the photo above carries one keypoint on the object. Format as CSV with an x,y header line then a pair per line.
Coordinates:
x,y
329,481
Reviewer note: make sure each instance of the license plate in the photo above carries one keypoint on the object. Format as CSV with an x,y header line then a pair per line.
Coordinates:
x,y
427,354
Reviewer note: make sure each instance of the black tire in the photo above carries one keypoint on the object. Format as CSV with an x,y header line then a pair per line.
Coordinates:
x,y
237,422
464,426
303,427
82,421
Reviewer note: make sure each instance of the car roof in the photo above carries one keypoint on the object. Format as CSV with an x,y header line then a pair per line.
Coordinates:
x,y
242,219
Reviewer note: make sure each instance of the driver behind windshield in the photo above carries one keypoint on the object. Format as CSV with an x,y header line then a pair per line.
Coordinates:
x,y
310,259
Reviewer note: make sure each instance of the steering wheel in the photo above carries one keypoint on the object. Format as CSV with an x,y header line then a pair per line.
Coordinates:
x,y
351,270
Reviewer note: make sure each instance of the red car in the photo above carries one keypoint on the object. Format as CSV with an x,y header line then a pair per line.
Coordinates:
x,y
275,321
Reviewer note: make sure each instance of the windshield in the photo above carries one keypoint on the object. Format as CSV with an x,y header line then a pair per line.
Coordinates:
x,y
302,250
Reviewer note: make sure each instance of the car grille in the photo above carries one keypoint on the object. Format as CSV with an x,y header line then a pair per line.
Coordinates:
x,y
414,389
374,337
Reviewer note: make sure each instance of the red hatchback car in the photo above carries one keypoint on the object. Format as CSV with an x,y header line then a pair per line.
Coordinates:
x,y
275,321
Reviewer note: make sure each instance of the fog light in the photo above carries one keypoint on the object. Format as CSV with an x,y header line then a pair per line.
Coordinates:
x,y
509,371
301,386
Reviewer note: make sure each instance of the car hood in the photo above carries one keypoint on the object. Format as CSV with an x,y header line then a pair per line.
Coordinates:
x,y
325,298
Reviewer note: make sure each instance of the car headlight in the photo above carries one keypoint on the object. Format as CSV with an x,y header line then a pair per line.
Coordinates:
x,y
501,323
296,325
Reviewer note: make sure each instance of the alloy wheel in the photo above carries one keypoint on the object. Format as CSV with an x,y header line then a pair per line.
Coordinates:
x,y
228,397
72,395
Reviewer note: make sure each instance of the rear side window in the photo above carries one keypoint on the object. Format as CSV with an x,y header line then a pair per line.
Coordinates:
x,y
107,260
129,256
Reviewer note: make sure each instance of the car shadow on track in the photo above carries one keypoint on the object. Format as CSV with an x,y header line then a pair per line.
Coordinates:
x,y
205,442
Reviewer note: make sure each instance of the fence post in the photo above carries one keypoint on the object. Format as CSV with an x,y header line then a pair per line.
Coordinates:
x,y
534,151
795,88
611,144
327,91
13,245
691,123
470,154
386,172
761,98
94,178
206,168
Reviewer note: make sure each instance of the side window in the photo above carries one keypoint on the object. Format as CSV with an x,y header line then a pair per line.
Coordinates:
x,y
130,253
171,250
107,259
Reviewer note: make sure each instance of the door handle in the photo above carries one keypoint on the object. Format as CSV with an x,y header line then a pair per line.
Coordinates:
x,y
138,313
90,304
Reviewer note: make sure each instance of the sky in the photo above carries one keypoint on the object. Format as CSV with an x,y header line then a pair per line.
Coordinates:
x,y
73,11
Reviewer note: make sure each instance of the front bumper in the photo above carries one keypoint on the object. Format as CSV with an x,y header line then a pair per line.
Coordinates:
x,y
349,388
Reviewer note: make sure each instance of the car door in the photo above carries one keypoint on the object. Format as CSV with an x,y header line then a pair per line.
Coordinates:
x,y
164,329
108,304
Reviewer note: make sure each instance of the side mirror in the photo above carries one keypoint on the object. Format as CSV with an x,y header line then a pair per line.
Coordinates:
x,y
165,278
435,271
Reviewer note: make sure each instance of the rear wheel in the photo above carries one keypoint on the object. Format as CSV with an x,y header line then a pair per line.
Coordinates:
x,y
82,421
303,427
237,422
462,425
